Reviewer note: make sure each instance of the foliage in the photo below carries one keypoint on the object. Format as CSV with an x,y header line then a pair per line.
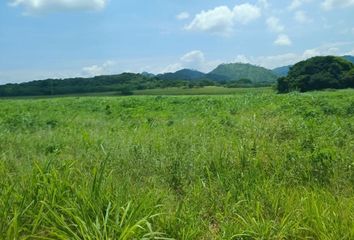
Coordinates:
x,y
253,165
184,74
122,84
237,71
318,73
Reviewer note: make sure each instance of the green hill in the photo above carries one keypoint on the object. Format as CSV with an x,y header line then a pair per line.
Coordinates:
x,y
184,74
237,71
318,73
281,71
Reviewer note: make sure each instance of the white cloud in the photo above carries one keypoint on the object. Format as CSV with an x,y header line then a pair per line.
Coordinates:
x,y
283,40
241,59
295,4
96,70
192,60
330,4
246,13
222,19
195,57
217,20
301,17
274,24
183,16
274,61
44,6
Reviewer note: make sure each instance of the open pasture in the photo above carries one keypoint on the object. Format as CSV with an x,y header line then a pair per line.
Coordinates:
x,y
254,165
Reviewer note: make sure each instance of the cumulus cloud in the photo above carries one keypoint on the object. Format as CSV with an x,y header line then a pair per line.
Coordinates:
x,y
183,16
217,20
195,57
330,4
283,40
96,70
301,17
222,19
274,24
246,13
44,6
192,60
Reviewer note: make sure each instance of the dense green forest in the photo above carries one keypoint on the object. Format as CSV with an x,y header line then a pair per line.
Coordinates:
x,y
318,73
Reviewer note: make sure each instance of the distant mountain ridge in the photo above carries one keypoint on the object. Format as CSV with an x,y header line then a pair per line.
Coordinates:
x,y
225,73
228,75
281,71
183,74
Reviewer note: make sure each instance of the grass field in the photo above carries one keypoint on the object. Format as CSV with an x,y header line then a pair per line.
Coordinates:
x,y
173,91
253,165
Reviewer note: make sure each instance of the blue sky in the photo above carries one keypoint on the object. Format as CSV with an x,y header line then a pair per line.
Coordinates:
x,y
63,38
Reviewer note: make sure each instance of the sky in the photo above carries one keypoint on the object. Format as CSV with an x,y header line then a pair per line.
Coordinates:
x,y
42,39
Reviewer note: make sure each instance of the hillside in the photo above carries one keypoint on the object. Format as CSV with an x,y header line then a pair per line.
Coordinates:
x,y
318,73
281,71
349,58
184,74
237,71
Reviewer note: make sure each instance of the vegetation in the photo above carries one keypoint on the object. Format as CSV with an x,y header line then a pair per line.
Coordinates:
x,y
185,74
318,73
283,71
122,84
237,71
254,165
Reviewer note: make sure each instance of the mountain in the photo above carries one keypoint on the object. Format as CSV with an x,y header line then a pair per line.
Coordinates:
x,y
281,71
318,73
237,71
147,74
184,74
349,58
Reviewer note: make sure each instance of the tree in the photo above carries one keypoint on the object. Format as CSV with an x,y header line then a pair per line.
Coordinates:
x,y
318,73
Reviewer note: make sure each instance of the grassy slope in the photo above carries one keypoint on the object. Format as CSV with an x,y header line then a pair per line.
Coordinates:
x,y
250,165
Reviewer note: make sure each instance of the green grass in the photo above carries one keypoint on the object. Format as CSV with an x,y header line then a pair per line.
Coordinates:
x,y
211,90
254,165
173,91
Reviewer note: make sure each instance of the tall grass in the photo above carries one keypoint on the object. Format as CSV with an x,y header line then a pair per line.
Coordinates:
x,y
250,166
